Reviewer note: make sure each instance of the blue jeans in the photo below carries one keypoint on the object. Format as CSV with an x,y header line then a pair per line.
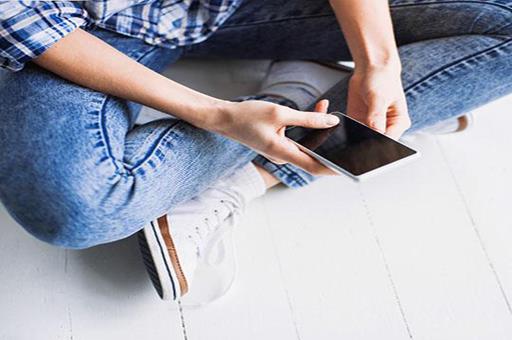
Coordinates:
x,y
76,172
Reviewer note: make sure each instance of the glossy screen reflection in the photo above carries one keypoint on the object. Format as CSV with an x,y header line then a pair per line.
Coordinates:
x,y
351,145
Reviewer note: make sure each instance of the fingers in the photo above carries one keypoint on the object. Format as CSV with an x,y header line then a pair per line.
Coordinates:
x,y
376,116
322,106
399,121
315,120
397,129
274,160
286,151
390,119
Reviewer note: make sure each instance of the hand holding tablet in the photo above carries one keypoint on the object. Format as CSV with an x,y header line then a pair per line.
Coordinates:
x,y
351,148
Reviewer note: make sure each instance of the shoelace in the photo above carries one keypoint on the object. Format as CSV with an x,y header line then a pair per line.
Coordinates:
x,y
209,237
215,251
215,257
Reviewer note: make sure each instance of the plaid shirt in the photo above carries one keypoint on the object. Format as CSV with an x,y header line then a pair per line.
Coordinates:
x,y
28,28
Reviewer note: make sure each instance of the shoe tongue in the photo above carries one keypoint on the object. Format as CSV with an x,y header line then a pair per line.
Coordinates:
x,y
244,185
215,253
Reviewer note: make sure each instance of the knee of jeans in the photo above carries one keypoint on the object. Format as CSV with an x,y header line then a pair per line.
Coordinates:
x,y
494,18
50,183
57,204
66,218
71,230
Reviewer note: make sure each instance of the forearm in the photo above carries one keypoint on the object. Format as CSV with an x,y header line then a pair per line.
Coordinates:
x,y
86,60
368,30
375,96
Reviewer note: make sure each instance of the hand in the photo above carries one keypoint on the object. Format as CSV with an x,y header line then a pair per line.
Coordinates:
x,y
261,125
376,98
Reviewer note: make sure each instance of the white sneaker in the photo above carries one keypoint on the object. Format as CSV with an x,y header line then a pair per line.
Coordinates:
x,y
191,249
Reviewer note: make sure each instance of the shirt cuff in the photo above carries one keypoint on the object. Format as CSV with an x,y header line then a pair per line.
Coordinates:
x,y
31,32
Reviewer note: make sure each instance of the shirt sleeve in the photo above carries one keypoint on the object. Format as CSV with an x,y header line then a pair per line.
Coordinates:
x,y
29,28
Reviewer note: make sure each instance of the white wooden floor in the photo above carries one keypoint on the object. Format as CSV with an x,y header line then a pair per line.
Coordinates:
x,y
423,252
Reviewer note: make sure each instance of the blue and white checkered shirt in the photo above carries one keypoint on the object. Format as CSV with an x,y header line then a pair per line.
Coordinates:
x,y
28,28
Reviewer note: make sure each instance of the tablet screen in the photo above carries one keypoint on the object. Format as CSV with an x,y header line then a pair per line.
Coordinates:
x,y
351,145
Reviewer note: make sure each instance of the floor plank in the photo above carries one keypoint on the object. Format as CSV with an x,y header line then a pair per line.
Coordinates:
x,y
257,307
441,274
334,273
101,292
481,165
32,298
112,298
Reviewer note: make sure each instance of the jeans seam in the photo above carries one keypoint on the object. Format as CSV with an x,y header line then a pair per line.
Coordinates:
x,y
104,134
275,21
157,154
292,176
170,134
282,172
140,154
500,28
315,16
432,75
479,2
100,112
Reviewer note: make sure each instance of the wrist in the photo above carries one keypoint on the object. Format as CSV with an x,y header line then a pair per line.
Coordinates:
x,y
218,116
382,61
196,108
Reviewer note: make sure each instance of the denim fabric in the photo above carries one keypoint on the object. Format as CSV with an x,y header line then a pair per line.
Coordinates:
x,y
76,172
456,54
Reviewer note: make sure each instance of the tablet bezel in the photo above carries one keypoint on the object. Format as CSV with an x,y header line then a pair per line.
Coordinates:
x,y
338,169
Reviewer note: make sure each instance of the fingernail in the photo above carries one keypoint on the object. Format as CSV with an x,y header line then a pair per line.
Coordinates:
x,y
332,120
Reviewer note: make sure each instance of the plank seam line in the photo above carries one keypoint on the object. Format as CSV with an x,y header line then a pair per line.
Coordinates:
x,y
385,261
70,322
182,321
279,266
474,226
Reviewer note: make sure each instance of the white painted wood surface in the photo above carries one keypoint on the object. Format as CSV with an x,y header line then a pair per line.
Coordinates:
x,y
417,253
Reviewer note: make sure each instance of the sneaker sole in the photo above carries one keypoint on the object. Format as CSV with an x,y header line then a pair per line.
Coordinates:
x,y
161,260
